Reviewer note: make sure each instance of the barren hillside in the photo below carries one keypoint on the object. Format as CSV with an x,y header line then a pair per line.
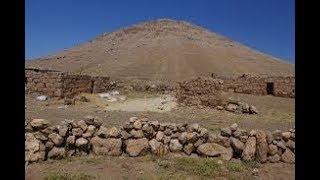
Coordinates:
x,y
163,50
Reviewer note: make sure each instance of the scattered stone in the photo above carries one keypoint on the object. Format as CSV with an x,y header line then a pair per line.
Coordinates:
x,y
253,110
40,136
255,172
281,144
231,107
193,127
42,98
49,145
219,107
198,143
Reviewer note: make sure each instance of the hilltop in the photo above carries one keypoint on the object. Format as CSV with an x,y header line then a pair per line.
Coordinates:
x,y
163,50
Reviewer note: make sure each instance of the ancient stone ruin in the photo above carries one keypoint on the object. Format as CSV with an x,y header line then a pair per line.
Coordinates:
x,y
208,92
139,136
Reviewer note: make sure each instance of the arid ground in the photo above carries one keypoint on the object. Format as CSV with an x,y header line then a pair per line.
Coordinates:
x,y
274,113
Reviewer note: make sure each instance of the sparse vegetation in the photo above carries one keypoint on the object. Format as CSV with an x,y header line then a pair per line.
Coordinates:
x,y
59,175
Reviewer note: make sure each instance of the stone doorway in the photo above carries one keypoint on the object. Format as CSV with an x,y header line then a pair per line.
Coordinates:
x,y
270,88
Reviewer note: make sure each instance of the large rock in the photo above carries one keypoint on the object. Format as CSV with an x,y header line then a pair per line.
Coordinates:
x,y
191,137
158,148
148,131
159,136
291,144
237,145
214,150
137,133
270,137
175,145
102,132
249,149
189,148
273,149
31,143
234,127
231,107
224,141
137,125
193,127
240,132
40,136
113,132
77,132
262,146
155,125
71,140
274,158
110,146
288,156
34,156
277,134
286,136
63,130
253,110
39,123
136,147
83,125
56,139
226,132
57,153
125,135
82,142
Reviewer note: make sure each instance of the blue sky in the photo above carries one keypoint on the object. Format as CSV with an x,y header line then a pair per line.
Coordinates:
x,y
265,25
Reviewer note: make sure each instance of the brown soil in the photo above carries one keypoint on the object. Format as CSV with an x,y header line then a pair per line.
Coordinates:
x,y
163,50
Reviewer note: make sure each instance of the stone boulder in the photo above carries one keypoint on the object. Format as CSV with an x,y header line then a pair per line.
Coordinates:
x,y
237,145
214,150
113,132
288,156
57,153
262,146
175,145
136,147
56,139
39,124
110,146
249,149
158,148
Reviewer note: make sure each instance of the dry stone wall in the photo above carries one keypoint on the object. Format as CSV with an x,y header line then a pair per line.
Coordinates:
x,y
139,136
282,86
61,84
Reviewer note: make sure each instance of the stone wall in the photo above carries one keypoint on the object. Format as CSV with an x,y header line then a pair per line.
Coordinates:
x,y
43,81
139,136
282,86
61,84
